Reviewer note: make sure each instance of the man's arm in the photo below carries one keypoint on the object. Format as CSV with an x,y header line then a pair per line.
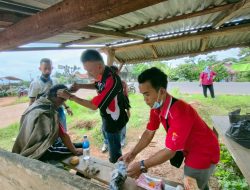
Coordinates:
x,y
83,102
68,143
31,101
75,87
158,158
146,138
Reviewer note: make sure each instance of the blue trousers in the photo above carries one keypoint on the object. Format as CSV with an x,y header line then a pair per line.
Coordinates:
x,y
113,140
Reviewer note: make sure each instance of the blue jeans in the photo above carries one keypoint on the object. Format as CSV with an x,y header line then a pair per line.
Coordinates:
x,y
123,136
114,145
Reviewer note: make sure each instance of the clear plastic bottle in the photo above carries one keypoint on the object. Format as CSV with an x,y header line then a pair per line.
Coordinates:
x,y
85,147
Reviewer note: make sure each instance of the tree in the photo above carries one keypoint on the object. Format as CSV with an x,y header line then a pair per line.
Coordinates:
x,y
68,74
244,52
221,72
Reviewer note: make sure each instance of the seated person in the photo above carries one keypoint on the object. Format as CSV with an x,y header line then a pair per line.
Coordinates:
x,y
40,127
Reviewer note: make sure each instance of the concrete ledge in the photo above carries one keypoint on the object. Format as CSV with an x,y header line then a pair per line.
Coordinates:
x,y
19,173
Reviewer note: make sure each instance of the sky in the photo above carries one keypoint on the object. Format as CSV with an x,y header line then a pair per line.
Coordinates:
x,y
24,65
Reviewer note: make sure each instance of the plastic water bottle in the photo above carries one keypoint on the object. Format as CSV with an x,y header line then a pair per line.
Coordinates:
x,y
85,146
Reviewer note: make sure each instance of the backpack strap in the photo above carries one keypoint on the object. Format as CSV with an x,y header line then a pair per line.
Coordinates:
x,y
177,160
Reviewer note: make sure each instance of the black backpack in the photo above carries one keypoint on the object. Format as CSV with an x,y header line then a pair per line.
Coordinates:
x,y
239,130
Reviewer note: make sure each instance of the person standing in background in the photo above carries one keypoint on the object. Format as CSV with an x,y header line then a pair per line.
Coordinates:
x,y
206,81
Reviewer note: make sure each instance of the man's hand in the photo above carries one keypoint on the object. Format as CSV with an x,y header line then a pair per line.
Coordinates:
x,y
134,170
79,151
64,94
75,87
127,158
69,111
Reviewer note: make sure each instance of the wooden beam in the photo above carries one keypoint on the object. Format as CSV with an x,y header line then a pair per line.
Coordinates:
x,y
117,60
110,56
231,13
65,16
55,48
194,53
221,32
109,33
120,68
204,43
154,52
79,41
181,17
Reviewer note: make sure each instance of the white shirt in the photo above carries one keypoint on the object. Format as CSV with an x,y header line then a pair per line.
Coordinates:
x,y
39,87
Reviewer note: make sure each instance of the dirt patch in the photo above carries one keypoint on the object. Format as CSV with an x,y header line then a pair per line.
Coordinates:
x,y
6,101
88,124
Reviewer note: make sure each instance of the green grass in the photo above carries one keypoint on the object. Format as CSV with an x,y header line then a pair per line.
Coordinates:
x,y
242,67
22,99
6,136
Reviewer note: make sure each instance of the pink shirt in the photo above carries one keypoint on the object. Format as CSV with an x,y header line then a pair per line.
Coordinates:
x,y
205,80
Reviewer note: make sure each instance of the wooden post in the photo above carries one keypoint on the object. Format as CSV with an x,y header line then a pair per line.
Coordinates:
x,y
111,57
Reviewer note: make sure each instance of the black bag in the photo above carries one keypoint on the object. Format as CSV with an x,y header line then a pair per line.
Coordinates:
x,y
239,131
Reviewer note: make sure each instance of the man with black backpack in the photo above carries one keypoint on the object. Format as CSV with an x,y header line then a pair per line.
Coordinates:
x,y
188,136
110,99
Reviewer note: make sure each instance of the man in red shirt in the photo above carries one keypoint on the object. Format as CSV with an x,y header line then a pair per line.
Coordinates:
x,y
206,80
110,99
187,135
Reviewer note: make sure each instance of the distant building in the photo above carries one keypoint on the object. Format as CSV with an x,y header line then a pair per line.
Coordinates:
x,y
82,78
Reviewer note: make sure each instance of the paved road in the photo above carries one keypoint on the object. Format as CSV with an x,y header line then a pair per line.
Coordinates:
x,y
233,88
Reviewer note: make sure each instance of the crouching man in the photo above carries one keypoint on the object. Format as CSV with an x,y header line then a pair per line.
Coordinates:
x,y
40,127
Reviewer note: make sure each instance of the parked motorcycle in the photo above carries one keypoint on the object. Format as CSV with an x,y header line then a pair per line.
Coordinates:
x,y
131,88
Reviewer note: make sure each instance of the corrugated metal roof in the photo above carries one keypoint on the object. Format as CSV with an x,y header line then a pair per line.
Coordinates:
x,y
165,10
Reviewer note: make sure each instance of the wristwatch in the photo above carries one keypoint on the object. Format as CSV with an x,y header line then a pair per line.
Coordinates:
x,y
142,166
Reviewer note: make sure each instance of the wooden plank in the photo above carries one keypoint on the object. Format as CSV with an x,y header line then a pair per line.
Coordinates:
x,y
181,17
240,154
199,35
65,16
204,42
109,33
106,169
154,52
80,41
55,48
111,57
238,7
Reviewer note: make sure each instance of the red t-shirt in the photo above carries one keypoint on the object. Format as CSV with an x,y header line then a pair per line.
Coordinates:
x,y
61,132
187,132
204,78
